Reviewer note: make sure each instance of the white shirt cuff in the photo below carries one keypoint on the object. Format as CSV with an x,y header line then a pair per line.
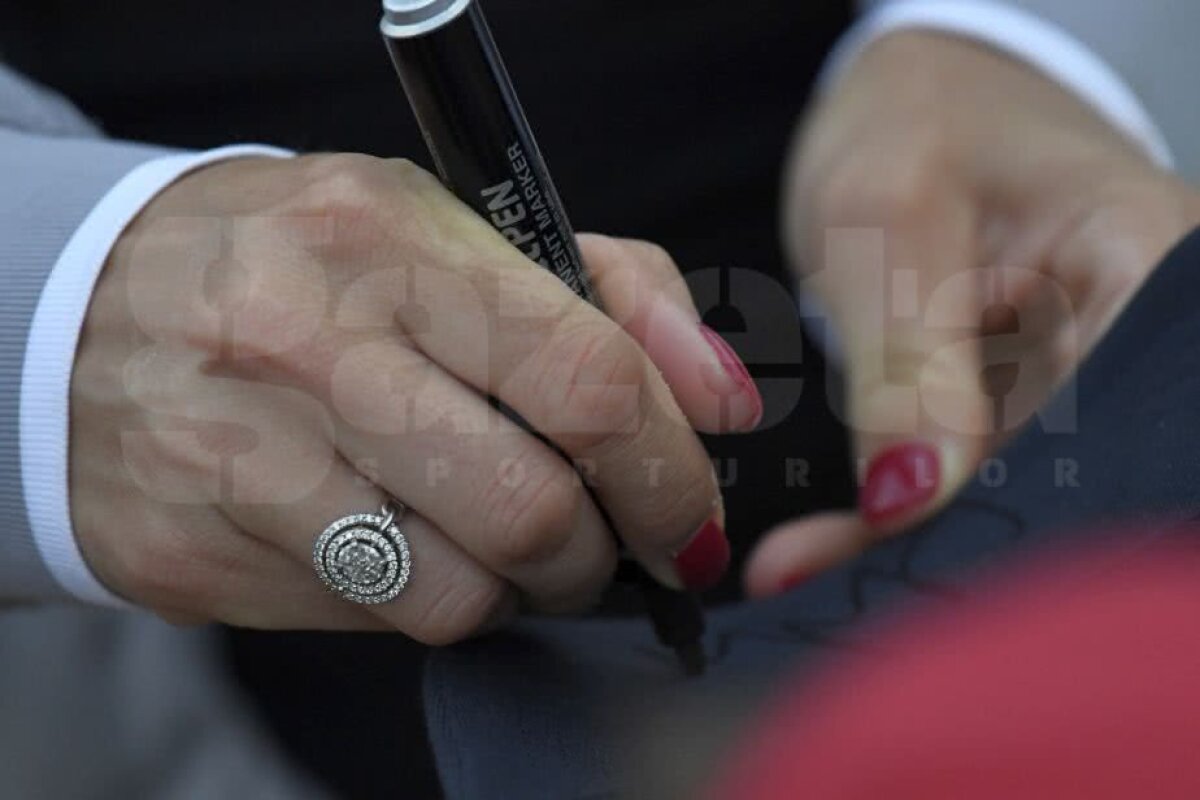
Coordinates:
x,y
1021,35
50,357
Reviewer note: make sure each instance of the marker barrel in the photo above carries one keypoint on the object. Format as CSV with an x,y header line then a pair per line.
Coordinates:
x,y
485,153
481,142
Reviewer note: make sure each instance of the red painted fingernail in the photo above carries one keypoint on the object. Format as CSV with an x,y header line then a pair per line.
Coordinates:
x,y
703,562
736,371
794,581
900,482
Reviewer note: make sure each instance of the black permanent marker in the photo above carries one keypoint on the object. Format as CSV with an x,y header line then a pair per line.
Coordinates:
x,y
485,152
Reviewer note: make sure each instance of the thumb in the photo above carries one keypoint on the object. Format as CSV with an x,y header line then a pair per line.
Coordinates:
x,y
643,291
906,303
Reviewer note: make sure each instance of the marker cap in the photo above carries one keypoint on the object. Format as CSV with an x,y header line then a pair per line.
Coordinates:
x,y
406,19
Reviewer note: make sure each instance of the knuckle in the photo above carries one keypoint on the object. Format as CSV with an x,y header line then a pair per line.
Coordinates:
x,y
533,516
349,196
593,385
350,181
359,182
158,456
411,175
654,257
461,609
361,211
349,176
884,190
264,327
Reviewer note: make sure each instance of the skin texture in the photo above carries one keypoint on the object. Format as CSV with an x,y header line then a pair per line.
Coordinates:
x,y
274,344
972,230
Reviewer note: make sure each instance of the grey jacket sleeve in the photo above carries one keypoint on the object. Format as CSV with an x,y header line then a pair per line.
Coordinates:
x,y
1151,45
54,167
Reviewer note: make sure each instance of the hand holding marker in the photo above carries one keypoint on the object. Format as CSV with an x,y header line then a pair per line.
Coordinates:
x,y
485,153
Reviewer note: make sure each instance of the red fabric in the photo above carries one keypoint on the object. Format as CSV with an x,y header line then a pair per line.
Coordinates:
x,y
1073,680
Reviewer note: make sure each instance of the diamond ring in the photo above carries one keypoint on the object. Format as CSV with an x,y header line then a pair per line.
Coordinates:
x,y
365,557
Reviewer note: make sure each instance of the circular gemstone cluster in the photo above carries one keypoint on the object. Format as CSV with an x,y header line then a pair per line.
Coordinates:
x,y
363,561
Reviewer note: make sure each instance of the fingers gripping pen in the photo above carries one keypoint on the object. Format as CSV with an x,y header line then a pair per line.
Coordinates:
x,y
485,153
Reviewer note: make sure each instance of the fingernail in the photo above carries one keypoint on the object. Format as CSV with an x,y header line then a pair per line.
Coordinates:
x,y
747,402
793,581
703,562
900,482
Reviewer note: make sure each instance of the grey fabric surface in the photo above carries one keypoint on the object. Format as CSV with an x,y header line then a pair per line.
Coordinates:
x,y
553,711
1151,45
94,704
26,106
97,704
50,185
53,172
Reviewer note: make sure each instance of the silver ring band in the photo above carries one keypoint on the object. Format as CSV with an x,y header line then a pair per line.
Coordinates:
x,y
365,557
